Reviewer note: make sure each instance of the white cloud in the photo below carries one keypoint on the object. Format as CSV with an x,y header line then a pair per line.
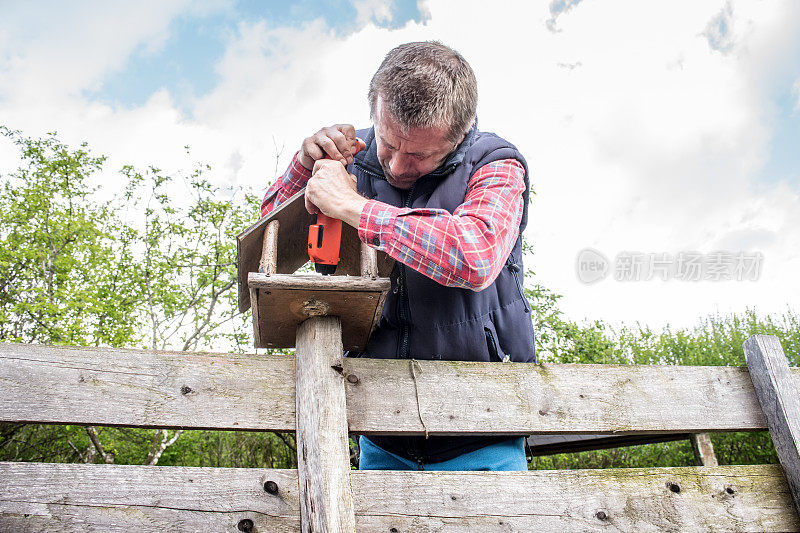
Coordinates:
x,y
57,49
368,11
640,134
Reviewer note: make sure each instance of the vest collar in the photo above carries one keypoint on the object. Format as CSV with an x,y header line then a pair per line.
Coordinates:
x,y
370,163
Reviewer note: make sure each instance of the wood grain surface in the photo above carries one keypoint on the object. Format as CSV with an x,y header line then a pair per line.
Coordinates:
x,y
777,393
77,497
323,453
138,388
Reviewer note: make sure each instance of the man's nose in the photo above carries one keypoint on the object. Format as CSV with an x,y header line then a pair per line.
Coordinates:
x,y
398,165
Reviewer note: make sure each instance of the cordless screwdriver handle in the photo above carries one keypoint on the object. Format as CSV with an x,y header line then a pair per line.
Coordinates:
x,y
325,239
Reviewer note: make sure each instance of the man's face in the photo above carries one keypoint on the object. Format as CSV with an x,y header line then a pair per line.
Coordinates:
x,y
406,156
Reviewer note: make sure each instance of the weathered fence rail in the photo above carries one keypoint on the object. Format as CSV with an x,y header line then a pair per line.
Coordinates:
x,y
41,384
72,497
111,387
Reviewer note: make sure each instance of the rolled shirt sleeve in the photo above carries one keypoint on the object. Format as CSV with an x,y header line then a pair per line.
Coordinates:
x,y
467,248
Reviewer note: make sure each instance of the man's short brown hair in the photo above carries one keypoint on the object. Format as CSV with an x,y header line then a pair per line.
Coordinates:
x,y
426,84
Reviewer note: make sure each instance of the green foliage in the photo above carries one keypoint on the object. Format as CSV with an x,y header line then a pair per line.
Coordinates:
x,y
737,448
73,271
675,453
740,448
232,449
562,341
63,444
60,262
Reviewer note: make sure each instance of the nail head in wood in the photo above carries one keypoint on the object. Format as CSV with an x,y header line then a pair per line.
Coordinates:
x,y
271,487
315,307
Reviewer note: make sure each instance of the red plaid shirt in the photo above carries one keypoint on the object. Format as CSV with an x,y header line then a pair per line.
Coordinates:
x,y
465,249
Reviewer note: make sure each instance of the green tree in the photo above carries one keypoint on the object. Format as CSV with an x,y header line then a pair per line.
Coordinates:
x,y
62,276
186,268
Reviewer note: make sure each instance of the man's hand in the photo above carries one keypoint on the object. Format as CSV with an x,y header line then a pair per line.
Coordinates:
x,y
337,142
332,191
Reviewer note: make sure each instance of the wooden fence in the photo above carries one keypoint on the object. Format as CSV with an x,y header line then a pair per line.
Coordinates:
x,y
60,385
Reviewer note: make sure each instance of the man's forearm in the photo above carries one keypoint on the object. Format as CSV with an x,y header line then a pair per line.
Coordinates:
x,y
351,212
464,249
286,186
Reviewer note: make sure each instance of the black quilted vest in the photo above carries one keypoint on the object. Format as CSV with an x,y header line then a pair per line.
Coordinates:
x,y
425,320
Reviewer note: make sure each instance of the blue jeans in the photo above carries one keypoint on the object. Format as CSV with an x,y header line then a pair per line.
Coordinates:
x,y
507,455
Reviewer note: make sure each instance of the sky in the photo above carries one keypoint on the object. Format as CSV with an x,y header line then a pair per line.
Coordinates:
x,y
662,137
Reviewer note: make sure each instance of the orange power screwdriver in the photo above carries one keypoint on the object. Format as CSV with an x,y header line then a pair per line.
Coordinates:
x,y
325,240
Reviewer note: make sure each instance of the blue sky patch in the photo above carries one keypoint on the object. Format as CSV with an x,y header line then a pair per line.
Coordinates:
x,y
185,64
784,158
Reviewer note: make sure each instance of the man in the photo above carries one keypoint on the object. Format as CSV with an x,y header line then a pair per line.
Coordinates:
x,y
449,203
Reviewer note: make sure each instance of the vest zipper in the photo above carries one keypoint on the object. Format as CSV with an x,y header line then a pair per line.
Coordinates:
x,y
367,171
404,310
514,268
491,344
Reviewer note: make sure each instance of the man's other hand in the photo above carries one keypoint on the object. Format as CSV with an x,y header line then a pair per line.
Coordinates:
x,y
332,191
337,142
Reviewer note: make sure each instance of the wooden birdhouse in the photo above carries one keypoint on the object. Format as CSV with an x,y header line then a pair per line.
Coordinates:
x,y
270,252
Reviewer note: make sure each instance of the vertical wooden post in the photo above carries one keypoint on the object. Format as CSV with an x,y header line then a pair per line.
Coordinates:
x,y
703,449
254,309
369,262
269,251
323,455
777,394
268,264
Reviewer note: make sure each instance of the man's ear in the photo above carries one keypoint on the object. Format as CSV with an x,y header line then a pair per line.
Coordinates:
x,y
471,125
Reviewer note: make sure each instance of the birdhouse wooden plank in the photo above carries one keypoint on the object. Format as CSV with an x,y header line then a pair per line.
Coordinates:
x,y
272,249
284,301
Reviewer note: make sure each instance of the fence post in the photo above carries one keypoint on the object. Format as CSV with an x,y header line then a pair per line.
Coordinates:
x,y
323,455
777,394
703,449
